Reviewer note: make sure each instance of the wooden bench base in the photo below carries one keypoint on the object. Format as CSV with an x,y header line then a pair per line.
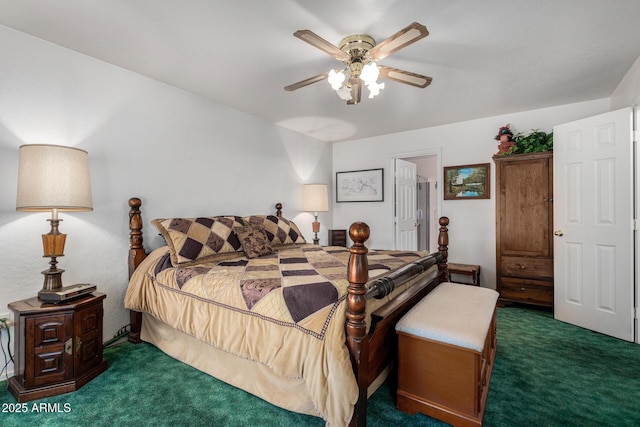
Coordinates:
x,y
446,381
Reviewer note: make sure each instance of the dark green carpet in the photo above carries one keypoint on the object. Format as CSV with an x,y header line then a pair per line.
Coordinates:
x,y
547,373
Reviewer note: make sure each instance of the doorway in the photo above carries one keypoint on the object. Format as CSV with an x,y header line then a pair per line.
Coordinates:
x,y
428,200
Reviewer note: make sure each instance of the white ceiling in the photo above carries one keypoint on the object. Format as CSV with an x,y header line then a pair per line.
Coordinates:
x,y
486,57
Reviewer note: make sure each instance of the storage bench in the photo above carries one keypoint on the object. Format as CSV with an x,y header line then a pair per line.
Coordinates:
x,y
446,349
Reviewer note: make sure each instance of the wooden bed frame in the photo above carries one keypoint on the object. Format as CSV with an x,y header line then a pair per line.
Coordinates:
x,y
371,351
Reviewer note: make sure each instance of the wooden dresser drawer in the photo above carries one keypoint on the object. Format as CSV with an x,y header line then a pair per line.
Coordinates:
x,y
526,267
537,292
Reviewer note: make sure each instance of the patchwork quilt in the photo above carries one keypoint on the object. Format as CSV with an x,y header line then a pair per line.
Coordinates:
x,y
285,310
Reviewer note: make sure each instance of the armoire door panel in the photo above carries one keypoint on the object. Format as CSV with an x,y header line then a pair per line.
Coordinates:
x,y
525,195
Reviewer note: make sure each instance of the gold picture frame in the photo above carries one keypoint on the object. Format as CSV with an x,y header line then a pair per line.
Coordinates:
x,y
467,182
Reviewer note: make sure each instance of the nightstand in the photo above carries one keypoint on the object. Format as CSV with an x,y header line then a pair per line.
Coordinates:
x,y
338,238
466,269
58,347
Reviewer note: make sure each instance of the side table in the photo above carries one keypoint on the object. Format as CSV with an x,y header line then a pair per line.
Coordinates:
x,y
467,270
58,347
338,238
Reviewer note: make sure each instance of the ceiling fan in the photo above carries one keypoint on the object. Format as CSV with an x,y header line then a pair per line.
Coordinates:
x,y
359,54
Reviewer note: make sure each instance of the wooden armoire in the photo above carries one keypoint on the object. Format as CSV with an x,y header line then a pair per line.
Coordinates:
x,y
524,227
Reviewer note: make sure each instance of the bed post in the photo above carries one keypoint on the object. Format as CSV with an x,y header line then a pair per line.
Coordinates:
x,y
355,327
443,248
136,255
136,250
279,210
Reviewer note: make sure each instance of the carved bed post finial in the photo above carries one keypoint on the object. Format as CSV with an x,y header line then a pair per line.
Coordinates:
x,y
356,327
279,210
135,222
443,248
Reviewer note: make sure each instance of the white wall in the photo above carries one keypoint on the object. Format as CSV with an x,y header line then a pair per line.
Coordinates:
x,y
628,91
472,222
181,153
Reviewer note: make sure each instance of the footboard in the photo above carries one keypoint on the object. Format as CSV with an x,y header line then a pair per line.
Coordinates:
x,y
371,352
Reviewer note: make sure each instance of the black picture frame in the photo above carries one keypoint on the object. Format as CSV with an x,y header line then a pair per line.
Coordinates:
x,y
365,185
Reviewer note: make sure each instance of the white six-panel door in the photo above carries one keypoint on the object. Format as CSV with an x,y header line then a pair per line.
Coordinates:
x,y
406,199
593,222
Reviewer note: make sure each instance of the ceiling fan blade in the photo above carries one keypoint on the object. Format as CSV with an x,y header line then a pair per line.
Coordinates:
x,y
316,41
399,40
401,76
306,82
356,91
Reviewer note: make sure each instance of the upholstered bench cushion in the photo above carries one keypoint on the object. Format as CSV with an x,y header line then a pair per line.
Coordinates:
x,y
452,313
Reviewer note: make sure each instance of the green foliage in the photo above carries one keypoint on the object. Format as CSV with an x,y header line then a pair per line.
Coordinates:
x,y
534,142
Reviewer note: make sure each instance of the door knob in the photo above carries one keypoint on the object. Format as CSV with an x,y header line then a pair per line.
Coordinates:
x,y
559,233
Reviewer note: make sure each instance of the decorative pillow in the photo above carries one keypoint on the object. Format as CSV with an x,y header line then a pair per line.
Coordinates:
x,y
195,240
279,231
254,240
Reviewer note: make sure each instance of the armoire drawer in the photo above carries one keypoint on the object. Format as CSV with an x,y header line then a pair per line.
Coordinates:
x,y
536,292
526,267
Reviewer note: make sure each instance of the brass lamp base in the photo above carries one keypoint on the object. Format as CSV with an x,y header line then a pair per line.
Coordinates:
x,y
53,244
316,228
52,279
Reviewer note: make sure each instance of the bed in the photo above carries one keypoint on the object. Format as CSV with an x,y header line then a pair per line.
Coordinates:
x,y
299,325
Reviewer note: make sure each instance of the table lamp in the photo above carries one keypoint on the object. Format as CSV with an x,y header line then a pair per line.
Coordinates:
x,y
53,178
315,200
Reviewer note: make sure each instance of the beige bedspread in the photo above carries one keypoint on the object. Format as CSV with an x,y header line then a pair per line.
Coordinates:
x,y
285,311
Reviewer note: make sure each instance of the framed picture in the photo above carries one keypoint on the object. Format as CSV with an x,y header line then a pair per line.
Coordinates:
x,y
360,186
467,182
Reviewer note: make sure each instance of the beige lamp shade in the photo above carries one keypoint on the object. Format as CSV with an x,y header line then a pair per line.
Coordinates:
x,y
314,198
53,177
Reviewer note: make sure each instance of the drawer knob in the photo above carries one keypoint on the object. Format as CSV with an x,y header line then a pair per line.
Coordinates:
x,y
522,266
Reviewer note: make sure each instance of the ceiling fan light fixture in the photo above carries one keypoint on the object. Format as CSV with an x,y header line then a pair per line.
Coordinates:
x,y
336,79
359,53
370,73
374,89
344,93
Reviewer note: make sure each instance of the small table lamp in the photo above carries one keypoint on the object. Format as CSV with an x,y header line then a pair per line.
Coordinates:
x,y
315,200
53,178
